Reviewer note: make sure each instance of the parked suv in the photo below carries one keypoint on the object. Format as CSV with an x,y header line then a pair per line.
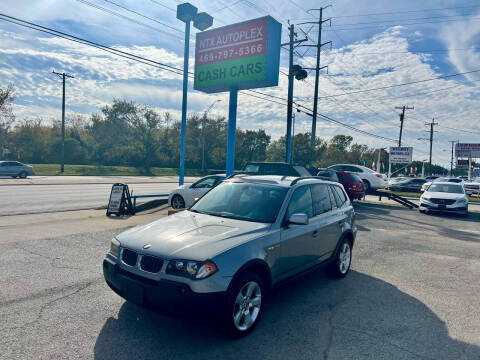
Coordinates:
x,y
275,168
236,242
15,169
371,179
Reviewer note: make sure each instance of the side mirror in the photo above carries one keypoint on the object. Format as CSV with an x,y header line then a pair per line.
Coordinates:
x,y
299,219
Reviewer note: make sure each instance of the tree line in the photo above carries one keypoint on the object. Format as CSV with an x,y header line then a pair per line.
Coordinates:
x,y
127,134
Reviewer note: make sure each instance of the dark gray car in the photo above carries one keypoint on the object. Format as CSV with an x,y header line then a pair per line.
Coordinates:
x,y
15,169
236,242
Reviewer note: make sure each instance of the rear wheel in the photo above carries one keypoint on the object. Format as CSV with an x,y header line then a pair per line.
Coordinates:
x,y
22,175
340,264
244,304
178,202
14,176
367,186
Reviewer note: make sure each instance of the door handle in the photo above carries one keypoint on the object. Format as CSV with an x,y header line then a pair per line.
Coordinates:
x,y
315,233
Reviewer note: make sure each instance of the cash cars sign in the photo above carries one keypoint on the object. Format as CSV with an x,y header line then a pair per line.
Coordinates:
x,y
239,56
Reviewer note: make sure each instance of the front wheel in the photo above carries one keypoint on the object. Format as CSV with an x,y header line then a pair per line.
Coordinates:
x,y
244,304
340,264
22,175
178,202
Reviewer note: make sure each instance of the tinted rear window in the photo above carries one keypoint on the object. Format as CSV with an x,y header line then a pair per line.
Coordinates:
x,y
321,199
354,178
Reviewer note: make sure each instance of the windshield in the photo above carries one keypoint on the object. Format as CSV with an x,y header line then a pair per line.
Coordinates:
x,y
446,188
243,201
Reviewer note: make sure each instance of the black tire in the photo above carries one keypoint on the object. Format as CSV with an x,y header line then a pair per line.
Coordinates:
x,y
239,286
23,175
337,267
178,202
422,211
14,176
367,186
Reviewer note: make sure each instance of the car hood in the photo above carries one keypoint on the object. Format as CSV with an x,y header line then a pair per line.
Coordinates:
x,y
189,235
443,195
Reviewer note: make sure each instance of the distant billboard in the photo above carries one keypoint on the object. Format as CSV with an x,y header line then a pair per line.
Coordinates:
x,y
463,164
467,150
240,56
401,155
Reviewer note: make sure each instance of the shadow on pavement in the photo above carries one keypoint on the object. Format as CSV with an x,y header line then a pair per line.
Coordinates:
x,y
313,317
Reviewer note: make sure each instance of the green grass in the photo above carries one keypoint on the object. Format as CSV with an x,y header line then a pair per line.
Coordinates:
x,y
100,170
471,199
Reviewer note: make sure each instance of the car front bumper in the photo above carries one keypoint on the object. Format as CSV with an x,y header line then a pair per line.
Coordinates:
x,y
454,208
171,296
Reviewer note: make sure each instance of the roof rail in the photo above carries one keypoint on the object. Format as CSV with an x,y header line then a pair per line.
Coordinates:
x,y
308,177
235,174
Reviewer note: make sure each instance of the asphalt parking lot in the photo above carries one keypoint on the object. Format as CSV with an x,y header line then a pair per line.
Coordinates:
x,y
413,292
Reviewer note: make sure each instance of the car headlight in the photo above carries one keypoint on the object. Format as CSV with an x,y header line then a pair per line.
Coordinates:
x,y
115,247
192,269
462,201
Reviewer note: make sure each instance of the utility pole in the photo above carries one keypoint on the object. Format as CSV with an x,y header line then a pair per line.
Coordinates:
x,y
402,118
451,160
63,75
293,70
317,68
432,124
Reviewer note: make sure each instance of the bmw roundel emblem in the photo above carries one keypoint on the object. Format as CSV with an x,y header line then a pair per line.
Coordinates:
x,y
147,246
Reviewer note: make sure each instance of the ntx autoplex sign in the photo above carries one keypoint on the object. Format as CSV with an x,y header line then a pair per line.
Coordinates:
x,y
239,56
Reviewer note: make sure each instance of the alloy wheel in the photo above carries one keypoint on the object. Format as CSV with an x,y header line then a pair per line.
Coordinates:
x,y
178,202
344,258
247,306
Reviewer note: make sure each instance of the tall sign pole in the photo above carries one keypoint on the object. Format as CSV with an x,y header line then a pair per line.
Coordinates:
x,y
63,76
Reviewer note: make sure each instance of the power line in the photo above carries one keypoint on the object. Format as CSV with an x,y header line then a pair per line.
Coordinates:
x,y
163,5
129,19
401,12
402,84
79,40
409,19
144,16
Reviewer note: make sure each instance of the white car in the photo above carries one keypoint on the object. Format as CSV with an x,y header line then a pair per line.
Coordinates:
x,y
445,197
442,179
184,196
473,186
370,178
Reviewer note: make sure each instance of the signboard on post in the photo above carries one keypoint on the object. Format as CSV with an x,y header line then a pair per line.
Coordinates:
x,y
401,155
467,150
239,56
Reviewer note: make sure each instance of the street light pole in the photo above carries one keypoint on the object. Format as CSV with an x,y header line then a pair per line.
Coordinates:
x,y
186,12
184,102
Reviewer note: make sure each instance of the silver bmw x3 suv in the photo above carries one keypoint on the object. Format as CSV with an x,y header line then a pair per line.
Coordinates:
x,y
237,241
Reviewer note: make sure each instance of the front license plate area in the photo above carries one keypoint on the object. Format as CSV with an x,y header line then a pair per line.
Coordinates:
x,y
133,292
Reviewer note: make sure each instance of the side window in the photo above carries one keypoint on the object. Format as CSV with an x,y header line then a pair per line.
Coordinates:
x,y
353,169
321,199
333,198
252,168
204,183
341,178
301,202
340,195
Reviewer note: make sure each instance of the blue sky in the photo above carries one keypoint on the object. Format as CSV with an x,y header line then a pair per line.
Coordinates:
x,y
375,44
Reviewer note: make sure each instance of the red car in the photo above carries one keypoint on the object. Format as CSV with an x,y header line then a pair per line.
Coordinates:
x,y
352,183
